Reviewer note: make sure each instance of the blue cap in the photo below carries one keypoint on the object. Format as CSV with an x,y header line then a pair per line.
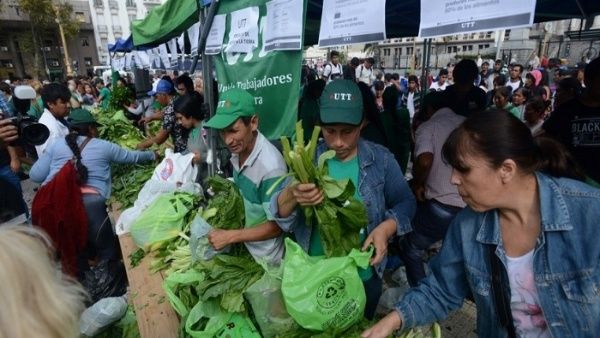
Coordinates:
x,y
163,86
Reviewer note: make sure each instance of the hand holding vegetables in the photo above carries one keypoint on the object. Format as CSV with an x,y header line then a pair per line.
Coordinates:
x,y
219,239
384,327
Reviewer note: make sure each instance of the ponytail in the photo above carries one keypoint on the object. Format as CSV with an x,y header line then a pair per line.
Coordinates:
x,y
82,171
555,160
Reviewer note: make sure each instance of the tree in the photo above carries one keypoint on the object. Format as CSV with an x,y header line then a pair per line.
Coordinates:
x,y
45,15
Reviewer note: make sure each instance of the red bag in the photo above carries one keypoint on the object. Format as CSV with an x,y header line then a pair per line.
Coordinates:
x,y
58,209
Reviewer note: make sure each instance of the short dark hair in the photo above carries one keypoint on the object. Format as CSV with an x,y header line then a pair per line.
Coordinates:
x,y
55,91
396,76
504,91
465,72
443,72
371,61
520,67
190,105
378,85
500,80
388,77
186,81
4,87
414,79
334,53
355,62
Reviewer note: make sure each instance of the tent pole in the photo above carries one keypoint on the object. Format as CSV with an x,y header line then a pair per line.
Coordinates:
x,y
424,67
206,18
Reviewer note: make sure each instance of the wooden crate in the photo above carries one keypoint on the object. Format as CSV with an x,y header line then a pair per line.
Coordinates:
x,y
155,316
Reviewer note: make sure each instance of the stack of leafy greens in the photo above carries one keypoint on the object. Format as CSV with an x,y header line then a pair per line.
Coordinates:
x,y
128,180
340,217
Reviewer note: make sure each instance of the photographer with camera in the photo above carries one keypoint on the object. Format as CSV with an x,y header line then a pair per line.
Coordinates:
x,y
56,99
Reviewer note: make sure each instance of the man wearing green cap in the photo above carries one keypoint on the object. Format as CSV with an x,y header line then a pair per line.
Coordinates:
x,y
257,165
373,170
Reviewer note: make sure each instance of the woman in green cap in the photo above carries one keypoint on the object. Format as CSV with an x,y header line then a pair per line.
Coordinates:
x,y
92,158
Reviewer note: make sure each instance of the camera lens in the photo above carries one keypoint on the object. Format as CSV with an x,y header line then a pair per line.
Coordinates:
x,y
34,133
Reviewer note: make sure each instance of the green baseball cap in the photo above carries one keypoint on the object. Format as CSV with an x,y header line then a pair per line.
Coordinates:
x,y
232,105
81,116
341,102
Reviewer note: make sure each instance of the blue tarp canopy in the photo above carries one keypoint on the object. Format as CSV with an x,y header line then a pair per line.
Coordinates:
x,y
121,45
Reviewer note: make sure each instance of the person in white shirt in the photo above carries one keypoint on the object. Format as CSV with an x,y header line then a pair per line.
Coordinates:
x,y
333,70
441,83
516,81
56,99
364,72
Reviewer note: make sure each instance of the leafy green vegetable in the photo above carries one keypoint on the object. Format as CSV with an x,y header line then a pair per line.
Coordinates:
x,y
136,257
128,180
340,217
225,208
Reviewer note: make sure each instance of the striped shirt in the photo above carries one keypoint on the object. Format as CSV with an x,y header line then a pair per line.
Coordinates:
x,y
263,167
430,138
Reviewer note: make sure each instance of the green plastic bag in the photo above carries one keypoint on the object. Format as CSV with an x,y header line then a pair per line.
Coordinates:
x,y
266,300
323,293
162,220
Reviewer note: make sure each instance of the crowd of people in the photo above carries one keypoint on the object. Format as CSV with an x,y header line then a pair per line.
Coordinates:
x,y
504,171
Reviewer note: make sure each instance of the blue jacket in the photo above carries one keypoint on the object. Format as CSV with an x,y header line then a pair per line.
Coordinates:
x,y
381,186
566,265
97,157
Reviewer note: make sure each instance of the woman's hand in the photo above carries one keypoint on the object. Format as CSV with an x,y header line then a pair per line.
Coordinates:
x,y
379,238
384,327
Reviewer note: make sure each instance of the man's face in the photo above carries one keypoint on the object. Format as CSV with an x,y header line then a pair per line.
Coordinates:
x,y
485,67
515,73
59,108
443,79
368,65
335,60
163,98
343,139
239,137
412,85
497,66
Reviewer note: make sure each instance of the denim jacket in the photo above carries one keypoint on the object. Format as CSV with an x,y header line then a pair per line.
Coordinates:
x,y
566,265
381,186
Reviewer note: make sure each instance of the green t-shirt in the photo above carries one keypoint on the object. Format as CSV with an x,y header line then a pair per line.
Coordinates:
x,y
36,109
340,170
105,93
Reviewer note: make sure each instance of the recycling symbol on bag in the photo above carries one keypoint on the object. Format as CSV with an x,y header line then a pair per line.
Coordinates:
x,y
330,292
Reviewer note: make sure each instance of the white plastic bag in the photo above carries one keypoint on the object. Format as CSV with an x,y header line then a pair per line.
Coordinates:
x,y
100,315
176,168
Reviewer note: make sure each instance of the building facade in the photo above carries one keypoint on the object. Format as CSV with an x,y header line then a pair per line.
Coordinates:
x,y
16,49
112,19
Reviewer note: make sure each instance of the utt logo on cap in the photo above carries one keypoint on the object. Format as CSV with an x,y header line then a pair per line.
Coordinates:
x,y
223,104
342,96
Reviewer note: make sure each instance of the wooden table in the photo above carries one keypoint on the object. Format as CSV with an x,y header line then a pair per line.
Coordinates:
x,y
155,316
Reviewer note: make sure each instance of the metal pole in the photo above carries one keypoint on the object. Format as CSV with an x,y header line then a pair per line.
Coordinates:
x,y
208,83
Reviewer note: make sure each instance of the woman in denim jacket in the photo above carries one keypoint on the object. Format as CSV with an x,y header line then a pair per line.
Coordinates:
x,y
372,168
527,216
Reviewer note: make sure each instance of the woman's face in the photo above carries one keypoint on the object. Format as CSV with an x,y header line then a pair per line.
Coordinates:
x,y
499,100
480,185
528,81
187,123
518,98
88,89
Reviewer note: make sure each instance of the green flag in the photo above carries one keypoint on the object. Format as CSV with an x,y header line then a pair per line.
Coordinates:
x,y
272,77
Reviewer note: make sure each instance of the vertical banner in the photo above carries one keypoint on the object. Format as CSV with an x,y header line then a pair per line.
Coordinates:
x,y
174,53
272,77
448,17
164,56
194,35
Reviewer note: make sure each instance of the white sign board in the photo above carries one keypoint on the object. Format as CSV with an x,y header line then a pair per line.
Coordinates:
x,y
447,17
346,22
284,30
243,36
214,41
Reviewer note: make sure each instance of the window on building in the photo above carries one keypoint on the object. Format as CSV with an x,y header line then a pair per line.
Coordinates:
x,y
80,16
449,49
130,3
507,34
488,35
481,35
465,36
487,45
131,17
454,49
470,48
98,3
88,62
400,51
409,50
6,64
85,43
480,46
464,48
472,36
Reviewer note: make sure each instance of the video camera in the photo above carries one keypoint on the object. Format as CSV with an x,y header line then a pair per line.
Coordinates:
x,y
30,131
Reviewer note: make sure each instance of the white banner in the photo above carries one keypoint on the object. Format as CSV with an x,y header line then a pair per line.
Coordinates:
x,y
243,36
164,56
194,34
447,17
174,54
214,41
345,22
128,59
284,30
